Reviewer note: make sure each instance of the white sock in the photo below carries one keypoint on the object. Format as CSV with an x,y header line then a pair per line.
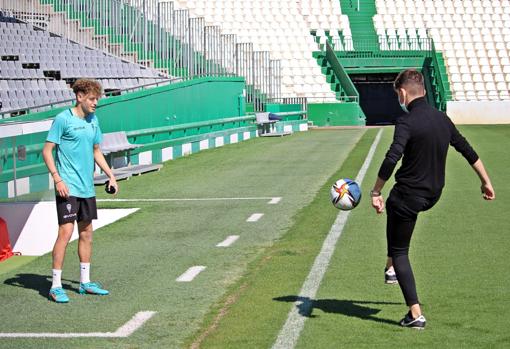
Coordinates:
x,y
56,281
84,272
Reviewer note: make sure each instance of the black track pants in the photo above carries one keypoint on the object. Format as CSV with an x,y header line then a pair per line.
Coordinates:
x,y
402,209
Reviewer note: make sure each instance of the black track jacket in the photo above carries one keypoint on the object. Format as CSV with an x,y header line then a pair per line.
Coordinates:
x,y
423,137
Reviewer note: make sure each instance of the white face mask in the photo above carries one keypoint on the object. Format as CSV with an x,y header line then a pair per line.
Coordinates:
x,y
403,105
404,108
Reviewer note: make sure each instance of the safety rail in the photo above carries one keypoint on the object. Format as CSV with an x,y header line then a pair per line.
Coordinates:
x,y
190,125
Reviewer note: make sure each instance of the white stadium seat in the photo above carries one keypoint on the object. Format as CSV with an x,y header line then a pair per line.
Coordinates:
x,y
473,35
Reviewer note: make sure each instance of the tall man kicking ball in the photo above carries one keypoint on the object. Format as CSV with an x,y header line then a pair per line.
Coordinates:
x,y
75,134
422,137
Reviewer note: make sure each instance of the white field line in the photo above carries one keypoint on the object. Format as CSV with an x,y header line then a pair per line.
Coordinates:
x,y
228,241
191,273
289,334
274,201
125,330
254,217
272,198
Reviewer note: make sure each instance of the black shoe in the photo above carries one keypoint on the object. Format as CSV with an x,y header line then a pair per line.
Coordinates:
x,y
390,277
418,323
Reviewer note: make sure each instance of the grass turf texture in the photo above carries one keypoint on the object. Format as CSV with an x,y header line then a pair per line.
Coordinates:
x,y
139,257
458,253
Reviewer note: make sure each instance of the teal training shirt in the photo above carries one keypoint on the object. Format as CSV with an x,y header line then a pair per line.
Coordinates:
x,y
75,139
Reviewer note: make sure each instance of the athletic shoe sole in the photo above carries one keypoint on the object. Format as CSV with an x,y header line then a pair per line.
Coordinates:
x,y
415,327
92,293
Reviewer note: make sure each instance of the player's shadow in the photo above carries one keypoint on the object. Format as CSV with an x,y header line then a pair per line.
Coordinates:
x,y
40,283
359,309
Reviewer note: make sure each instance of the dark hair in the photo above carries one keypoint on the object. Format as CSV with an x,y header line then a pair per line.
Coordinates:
x,y
411,80
87,86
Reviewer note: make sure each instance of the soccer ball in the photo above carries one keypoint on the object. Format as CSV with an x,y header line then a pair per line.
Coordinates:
x,y
345,194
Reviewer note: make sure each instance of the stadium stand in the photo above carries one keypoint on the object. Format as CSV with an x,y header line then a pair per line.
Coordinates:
x,y
474,37
157,35
38,68
283,29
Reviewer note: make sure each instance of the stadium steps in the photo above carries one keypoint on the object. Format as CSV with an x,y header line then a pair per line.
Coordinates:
x,y
125,48
331,78
366,55
362,27
120,45
280,28
38,68
439,89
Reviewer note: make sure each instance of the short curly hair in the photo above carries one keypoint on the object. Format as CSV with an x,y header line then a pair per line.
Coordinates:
x,y
87,86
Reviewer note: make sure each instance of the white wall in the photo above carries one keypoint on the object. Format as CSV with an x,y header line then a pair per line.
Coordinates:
x,y
33,226
479,112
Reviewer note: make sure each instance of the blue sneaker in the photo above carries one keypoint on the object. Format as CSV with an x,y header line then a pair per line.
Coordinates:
x,y
93,288
59,295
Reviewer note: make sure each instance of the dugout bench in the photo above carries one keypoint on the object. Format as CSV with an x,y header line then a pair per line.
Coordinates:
x,y
117,143
267,127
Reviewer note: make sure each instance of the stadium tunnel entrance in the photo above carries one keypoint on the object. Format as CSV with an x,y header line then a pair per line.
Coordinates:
x,y
377,99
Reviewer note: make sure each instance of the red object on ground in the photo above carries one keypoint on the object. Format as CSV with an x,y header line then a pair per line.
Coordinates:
x,y
5,244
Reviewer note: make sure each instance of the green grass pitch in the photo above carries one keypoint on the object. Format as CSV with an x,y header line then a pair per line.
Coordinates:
x,y
243,297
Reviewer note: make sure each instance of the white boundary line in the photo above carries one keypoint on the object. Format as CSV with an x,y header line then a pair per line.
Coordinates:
x,y
289,334
190,274
255,217
228,241
273,199
125,330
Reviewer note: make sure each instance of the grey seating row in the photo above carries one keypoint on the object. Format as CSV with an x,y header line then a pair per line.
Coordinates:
x,y
32,94
37,67
35,84
16,99
47,85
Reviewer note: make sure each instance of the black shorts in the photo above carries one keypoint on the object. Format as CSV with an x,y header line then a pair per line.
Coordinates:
x,y
75,209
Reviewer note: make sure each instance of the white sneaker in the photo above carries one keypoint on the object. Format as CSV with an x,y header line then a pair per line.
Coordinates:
x,y
389,276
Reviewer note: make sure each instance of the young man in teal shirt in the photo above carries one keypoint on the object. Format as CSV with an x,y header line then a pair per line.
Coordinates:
x,y
75,134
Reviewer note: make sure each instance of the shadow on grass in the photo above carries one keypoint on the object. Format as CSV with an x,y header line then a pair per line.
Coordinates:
x,y
352,308
40,283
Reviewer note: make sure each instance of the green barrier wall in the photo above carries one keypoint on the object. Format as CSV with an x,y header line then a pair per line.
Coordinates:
x,y
339,72
198,100
277,108
285,108
336,114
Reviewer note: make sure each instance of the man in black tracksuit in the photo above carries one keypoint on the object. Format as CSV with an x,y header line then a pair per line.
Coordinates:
x,y
422,137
